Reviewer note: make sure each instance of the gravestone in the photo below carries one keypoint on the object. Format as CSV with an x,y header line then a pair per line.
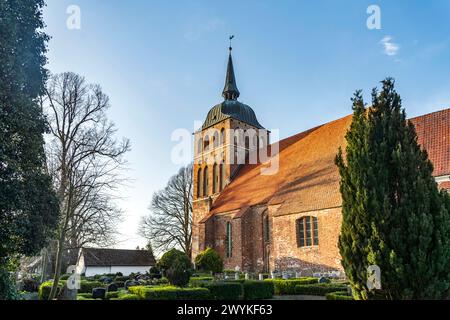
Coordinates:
x,y
112,287
130,283
261,277
98,293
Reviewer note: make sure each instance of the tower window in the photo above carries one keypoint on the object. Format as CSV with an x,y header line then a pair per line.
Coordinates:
x,y
205,182
206,143
222,136
222,177
307,231
229,240
199,146
215,178
266,229
199,183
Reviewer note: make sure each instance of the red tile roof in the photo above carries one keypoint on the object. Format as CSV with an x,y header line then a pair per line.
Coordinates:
x,y
308,179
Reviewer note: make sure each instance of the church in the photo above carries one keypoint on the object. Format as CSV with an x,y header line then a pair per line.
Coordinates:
x,y
289,220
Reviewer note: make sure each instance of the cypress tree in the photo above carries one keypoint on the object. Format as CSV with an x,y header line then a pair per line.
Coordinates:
x,y
28,204
393,213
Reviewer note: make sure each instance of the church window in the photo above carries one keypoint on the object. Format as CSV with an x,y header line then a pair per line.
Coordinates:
x,y
199,146
206,143
307,231
216,138
222,177
215,178
222,136
229,240
199,183
205,182
266,229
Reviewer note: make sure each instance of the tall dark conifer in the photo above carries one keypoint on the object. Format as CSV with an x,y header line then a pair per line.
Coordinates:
x,y
393,213
28,205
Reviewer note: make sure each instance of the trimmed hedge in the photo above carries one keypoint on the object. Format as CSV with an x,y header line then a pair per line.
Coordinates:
x,y
255,290
112,294
46,287
127,296
170,293
287,287
339,295
198,281
224,290
87,286
318,289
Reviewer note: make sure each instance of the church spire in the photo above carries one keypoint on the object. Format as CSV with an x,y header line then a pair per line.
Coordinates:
x,y
230,91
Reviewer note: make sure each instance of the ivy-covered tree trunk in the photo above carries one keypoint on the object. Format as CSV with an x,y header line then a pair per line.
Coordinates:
x,y
393,213
28,204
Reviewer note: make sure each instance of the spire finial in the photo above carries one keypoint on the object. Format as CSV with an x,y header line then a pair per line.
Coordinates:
x,y
231,38
230,91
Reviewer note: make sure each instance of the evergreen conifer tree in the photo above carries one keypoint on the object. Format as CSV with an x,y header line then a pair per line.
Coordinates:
x,y
393,213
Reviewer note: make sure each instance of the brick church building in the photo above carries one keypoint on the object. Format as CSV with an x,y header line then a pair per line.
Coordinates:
x,y
289,220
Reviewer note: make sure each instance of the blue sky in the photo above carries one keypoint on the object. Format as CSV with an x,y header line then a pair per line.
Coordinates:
x,y
297,64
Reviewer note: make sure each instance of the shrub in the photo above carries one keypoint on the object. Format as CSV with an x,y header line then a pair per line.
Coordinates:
x,y
65,276
127,296
168,259
84,295
120,284
224,290
209,260
318,289
46,287
180,271
170,293
255,290
87,286
287,287
198,281
121,279
339,295
30,285
112,294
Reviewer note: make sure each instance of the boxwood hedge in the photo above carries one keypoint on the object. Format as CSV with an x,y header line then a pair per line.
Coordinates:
x,y
287,287
318,289
339,295
170,293
255,290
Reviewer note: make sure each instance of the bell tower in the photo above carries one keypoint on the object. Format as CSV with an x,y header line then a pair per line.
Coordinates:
x,y
222,146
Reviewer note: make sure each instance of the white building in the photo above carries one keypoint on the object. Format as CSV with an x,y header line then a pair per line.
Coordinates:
x,y
93,261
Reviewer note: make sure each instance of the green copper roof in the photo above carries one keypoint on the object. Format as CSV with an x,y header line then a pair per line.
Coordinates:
x,y
231,109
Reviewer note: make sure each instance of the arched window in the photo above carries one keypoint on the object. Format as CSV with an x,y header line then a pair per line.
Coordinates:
x,y
307,231
247,147
199,183
222,177
229,240
222,136
216,138
205,182
206,143
199,146
266,229
215,178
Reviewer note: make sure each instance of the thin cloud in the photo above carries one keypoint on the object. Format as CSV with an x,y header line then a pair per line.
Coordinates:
x,y
389,47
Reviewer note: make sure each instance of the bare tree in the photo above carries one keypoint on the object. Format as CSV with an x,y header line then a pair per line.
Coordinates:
x,y
85,160
170,222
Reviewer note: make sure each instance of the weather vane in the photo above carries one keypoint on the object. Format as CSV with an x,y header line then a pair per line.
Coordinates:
x,y
231,38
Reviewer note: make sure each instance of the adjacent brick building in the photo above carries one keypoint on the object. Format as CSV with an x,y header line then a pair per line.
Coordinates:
x,y
289,220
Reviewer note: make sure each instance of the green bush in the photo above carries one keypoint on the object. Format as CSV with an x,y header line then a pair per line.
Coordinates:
x,y
170,293
318,289
168,259
339,295
224,290
65,276
198,281
120,284
287,287
180,271
209,260
255,290
121,279
84,295
127,296
46,287
112,294
87,286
